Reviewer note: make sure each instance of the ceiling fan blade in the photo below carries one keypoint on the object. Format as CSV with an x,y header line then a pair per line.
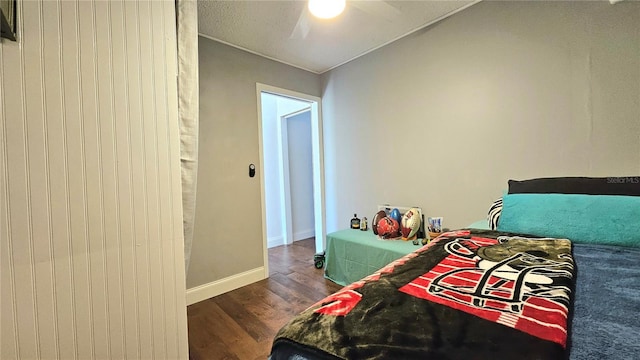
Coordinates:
x,y
303,26
378,8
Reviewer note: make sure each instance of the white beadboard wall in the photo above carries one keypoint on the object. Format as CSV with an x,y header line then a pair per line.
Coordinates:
x,y
92,262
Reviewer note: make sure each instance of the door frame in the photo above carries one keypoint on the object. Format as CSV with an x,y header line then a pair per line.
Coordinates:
x,y
317,152
285,186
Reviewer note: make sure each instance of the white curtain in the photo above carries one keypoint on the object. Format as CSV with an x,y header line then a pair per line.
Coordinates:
x,y
188,108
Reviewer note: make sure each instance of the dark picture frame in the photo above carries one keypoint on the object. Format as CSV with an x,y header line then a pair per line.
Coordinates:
x,y
8,19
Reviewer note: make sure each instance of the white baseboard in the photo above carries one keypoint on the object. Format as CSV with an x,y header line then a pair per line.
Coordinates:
x,y
274,241
222,286
305,234
300,235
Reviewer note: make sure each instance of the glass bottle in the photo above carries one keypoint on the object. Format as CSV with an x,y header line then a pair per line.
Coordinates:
x,y
363,224
355,222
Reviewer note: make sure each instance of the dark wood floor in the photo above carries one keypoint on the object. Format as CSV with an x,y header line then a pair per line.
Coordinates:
x,y
242,323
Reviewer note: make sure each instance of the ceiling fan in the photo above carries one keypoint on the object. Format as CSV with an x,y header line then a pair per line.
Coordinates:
x,y
377,8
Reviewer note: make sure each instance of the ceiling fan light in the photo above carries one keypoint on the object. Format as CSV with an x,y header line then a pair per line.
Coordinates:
x,y
326,9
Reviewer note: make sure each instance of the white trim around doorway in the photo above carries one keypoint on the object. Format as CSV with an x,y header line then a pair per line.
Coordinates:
x,y
318,164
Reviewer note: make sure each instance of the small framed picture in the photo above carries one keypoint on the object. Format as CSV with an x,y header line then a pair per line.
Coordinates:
x,y
8,19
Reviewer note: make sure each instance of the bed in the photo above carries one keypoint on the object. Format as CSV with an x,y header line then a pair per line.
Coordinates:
x,y
487,294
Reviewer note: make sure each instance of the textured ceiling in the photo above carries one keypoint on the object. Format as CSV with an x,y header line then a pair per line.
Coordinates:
x,y
276,30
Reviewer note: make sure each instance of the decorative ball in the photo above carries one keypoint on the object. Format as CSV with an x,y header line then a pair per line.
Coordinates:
x,y
388,228
395,214
410,223
376,218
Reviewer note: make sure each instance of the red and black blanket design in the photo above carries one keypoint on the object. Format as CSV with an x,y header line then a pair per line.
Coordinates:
x,y
469,294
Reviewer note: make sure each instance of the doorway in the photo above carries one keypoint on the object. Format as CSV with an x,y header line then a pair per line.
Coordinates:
x,y
297,176
277,219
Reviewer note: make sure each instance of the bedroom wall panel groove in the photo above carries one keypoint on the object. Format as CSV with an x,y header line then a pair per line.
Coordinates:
x,y
6,277
120,92
74,114
155,259
85,266
62,239
48,188
29,296
109,151
71,286
134,167
48,282
102,238
92,263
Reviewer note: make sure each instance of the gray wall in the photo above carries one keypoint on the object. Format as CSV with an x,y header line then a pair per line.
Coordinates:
x,y
228,222
443,118
301,175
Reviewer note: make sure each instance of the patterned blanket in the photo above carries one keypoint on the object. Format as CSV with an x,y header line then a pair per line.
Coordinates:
x,y
469,294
